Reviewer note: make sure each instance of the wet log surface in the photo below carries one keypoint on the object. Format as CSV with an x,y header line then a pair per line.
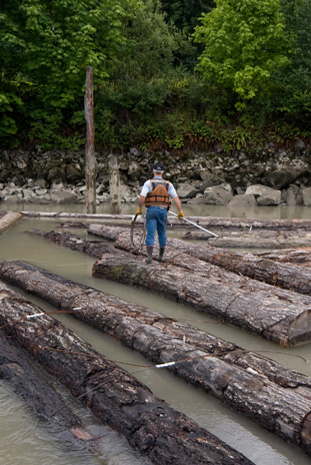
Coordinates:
x,y
114,396
17,368
279,315
277,398
276,314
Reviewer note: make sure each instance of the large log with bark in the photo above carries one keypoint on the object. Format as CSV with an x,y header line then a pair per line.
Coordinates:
x,y
277,314
38,391
253,385
114,396
262,267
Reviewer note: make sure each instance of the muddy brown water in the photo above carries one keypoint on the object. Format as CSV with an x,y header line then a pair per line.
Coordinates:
x,y
28,440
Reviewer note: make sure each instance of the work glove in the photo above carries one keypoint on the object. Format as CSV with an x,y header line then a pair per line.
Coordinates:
x,y
138,211
180,215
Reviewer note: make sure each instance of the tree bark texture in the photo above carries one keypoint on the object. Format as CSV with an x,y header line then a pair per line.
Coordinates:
x,y
114,185
90,163
93,248
35,388
280,315
114,396
277,314
277,398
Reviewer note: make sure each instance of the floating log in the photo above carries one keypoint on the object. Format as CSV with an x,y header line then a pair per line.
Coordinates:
x,y
299,256
280,315
114,396
73,242
8,220
255,386
260,239
35,388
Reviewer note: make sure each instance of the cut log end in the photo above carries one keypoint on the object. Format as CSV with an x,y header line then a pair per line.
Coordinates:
x,y
300,329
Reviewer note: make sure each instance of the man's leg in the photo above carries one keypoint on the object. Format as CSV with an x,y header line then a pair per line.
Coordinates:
x,y
151,225
161,227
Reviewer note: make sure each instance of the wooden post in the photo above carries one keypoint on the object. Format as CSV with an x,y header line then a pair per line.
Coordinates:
x,y
89,146
114,184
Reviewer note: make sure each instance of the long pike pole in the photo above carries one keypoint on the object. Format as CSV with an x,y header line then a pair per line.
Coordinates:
x,y
194,224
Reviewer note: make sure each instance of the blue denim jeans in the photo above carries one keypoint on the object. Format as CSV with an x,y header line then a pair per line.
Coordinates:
x,y
156,220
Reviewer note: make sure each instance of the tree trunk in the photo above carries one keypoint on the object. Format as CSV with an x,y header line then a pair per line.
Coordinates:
x,y
114,396
33,386
114,185
255,386
90,163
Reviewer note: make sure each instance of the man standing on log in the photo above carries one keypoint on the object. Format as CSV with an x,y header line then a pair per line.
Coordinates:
x,y
156,194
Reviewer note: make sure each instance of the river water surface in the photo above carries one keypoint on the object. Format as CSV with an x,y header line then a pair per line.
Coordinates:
x,y
28,440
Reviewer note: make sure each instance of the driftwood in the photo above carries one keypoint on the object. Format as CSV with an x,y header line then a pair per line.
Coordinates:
x,y
35,388
8,220
255,386
114,396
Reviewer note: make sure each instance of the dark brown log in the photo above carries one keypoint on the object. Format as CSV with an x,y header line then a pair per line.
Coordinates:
x,y
255,386
73,242
35,388
114,396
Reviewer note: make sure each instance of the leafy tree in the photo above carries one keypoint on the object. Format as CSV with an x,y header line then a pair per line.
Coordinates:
x,y
45,48
185,13
293,96
244,42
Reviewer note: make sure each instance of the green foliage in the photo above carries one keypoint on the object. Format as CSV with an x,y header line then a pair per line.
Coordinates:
x,y
185,13
293,83
47,45
244,43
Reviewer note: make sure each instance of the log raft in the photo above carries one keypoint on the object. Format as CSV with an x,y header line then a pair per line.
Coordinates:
x,y
277,398
276,314
114,396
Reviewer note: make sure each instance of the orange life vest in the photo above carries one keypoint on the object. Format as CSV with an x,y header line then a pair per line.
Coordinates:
x,y
159,194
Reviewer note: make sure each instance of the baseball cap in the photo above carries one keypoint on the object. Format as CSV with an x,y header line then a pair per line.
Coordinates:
x,y
158,167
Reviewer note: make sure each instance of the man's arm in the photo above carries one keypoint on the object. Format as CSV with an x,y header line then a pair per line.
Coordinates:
x,y
178,205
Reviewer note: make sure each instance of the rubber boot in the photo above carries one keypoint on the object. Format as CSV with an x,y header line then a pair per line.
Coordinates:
x,y
149,252
161,254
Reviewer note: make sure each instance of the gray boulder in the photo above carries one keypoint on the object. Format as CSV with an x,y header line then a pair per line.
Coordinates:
x,y
245,200
218,195
265,196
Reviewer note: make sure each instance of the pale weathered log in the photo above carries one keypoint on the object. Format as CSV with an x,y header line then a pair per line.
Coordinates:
x,y
255,386
298,256
39,393
256,239
8,220
114,185
115,397
90,161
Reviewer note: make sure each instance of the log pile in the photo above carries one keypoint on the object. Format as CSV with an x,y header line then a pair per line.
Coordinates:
x,y
278,399
113,395
280,315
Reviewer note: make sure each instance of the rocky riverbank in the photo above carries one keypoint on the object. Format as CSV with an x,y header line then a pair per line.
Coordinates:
x,y
265,177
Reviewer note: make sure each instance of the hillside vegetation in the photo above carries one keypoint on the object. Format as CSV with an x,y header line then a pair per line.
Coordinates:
x,y
168,75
